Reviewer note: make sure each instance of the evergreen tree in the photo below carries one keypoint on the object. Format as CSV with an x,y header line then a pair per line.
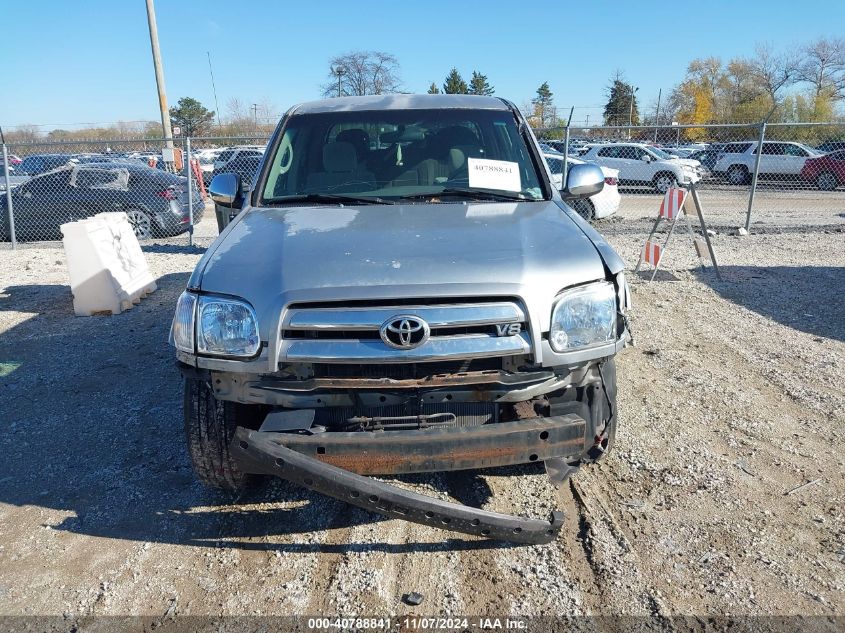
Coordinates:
x,y
433,89
191,116
479,85
455,84
544,109
617,110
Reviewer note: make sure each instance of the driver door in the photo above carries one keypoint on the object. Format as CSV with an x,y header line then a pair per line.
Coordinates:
x,y
42,205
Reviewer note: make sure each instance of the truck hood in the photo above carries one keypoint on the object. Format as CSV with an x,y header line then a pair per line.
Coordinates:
x,y
276,256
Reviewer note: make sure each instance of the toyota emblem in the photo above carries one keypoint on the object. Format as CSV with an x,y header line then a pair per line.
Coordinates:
x,y
404,331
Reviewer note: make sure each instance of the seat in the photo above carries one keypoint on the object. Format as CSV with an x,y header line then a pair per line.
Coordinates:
x,y
359,139
341,172
448,150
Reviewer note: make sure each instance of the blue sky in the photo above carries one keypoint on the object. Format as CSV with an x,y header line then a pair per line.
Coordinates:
x,y
89,61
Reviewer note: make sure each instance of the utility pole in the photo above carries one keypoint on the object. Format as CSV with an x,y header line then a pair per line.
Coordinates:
x,y
657,114
631,111
339,72
162,96
255,115
213,89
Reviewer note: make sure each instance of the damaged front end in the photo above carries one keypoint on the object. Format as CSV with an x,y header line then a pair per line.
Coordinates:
x,y
330,430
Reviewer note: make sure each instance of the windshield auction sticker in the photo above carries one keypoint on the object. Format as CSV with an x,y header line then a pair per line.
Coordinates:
x,y
494,174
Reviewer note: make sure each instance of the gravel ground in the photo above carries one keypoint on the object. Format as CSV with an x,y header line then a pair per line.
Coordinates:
x,y
730,401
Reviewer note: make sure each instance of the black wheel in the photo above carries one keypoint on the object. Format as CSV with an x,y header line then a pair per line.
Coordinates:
x,y
141,222
209,427
584,207
738,174
606,427
664,181
827,181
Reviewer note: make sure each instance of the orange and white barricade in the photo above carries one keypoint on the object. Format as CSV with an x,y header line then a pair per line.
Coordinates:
x,y
672,207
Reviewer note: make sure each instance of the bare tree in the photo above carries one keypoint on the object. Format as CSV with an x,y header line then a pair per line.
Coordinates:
x,y
267,111
823,67
235,109
362,73
774,71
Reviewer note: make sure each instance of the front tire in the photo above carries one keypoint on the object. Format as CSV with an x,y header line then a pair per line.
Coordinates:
x,y
664,181
738,175
827,181
209,427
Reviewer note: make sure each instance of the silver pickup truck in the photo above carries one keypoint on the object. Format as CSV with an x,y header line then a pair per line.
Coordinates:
x,y
402,290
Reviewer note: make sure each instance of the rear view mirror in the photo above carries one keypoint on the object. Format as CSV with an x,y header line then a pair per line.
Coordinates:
x,y
583,181
646,158
225,190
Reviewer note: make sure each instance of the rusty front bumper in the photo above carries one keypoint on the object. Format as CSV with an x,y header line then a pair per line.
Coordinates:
x,y
335,463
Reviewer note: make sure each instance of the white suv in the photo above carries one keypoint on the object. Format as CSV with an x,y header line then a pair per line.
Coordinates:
x,y
641,164
778,160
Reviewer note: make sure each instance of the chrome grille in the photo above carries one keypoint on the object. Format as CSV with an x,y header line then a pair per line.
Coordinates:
x,y
350,334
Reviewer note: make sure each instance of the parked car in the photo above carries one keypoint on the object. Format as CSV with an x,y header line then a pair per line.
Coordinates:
x,y
41,163
827,172
830,146
14,180
244,166
640,164
155,201
233,153
708,157
206,158
371,313
600,205
779,160
575,146
14,161
680,152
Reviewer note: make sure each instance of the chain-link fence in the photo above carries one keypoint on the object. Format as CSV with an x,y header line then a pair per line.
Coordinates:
x,y
160,186
798,178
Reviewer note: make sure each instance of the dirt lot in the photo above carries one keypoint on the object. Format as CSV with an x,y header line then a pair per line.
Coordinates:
x,y
730,401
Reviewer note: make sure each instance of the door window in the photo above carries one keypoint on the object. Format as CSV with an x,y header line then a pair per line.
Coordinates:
x,y
116,179
773,149
794,150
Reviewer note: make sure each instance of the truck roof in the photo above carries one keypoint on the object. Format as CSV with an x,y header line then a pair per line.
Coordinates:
x,y
400,102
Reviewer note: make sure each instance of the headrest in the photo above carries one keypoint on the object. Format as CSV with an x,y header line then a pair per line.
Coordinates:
x,y
456,158
339,157
453,136
359,139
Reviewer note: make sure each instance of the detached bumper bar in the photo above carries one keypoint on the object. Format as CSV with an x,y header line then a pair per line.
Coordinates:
x,y
256,452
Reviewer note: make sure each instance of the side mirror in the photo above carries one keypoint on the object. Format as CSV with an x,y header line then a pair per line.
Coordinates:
x,y
225,190
646,158
583,181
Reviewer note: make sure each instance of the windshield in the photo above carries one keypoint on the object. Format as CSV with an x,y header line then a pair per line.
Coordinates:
x,y
395,154
660,153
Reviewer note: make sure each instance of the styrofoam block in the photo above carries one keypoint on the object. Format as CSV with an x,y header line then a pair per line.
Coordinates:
x,y
108,271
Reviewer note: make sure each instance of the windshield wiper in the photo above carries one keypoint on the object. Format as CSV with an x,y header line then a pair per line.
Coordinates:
x,y
469,193
332,197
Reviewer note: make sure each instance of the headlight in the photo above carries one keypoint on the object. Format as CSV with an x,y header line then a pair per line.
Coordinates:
x,y
226,327
584,317
182,329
